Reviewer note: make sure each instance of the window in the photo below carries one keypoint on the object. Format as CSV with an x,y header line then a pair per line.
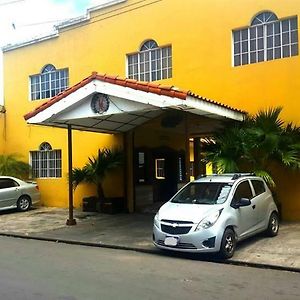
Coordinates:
x,y
49,83
259,187
242,191
266,39
7,183
46,163
151,63
141,167
160,168
203,193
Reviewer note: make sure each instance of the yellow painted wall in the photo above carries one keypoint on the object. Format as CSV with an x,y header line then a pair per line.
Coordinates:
x,y
200,35
2,132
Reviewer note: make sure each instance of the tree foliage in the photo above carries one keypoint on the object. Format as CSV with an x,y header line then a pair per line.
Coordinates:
x,y
254,144
11,165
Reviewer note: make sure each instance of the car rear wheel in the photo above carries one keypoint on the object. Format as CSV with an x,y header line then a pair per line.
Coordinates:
x,y
23,203
228,244
273,225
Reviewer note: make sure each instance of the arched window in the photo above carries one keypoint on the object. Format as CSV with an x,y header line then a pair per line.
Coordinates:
x,y
266,39
48,69
151,63
149,45
46,162
45,146
49,82
263,18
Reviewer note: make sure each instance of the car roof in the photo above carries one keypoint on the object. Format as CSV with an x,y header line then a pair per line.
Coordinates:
x,y
227,177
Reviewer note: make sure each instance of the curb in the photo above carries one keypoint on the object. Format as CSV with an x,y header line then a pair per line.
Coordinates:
x,y
150,251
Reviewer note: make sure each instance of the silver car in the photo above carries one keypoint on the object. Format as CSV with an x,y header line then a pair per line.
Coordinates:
x,y
16,193
213,213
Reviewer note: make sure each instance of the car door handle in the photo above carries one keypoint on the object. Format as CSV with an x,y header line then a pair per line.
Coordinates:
x,y
253,206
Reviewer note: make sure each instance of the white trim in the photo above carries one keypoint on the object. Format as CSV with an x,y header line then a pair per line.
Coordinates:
x,y
30,42
213,109
201,107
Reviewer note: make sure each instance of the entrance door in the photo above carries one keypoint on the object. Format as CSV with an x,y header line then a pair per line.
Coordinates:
x,y
166,167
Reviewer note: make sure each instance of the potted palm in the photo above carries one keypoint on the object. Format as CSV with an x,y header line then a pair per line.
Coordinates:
x,y
95,171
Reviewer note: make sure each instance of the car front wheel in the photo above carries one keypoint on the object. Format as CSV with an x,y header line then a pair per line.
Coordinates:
x,y
273,225
23,203
228,244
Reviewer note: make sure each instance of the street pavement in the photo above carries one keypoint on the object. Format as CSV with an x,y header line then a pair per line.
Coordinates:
x,y
34,270
134,232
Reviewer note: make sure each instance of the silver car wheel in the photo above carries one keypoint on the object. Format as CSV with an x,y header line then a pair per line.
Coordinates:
x,y
229,243
23,203
273,226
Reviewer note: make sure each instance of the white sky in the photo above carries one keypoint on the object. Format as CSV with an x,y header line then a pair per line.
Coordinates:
x,y
25,19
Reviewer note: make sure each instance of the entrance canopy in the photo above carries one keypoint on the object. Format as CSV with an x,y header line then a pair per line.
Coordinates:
x,y
102,103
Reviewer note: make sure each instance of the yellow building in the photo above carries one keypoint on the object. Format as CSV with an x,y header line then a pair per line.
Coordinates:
x,y
242,54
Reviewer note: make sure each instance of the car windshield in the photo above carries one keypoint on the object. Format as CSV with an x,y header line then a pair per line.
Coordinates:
x,y
203,193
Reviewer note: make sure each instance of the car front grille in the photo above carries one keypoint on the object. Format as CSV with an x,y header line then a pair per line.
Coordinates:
x,y
176,227
175,230
179,245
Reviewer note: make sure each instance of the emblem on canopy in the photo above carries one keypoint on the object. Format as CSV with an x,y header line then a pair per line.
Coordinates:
x,y
100,103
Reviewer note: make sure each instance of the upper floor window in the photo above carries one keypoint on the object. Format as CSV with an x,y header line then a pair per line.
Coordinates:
x,y
46,162
266,39
151,63
49,83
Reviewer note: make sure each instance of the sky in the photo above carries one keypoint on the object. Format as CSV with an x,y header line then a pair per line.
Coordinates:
x,y
22,20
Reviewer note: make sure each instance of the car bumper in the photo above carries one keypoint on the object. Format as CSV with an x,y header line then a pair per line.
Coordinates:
x,y
201,241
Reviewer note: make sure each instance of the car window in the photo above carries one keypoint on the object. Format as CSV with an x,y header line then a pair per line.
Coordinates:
x,y
243,190
7,183
203,193
259,186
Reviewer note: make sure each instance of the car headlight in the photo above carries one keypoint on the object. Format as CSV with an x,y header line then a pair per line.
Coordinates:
x,y
209,220
156,221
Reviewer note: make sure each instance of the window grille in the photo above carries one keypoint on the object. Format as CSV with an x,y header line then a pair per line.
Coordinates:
x,y
151,63
266,39
49,83
46,163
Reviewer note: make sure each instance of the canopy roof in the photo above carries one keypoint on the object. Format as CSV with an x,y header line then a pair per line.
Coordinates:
x,y
103,103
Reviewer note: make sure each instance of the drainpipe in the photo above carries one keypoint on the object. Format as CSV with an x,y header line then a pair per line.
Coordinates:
x,y
71,220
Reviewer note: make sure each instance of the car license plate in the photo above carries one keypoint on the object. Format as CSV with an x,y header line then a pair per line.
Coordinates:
x,y
171,241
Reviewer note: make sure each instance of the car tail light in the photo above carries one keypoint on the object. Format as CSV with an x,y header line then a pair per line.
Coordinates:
x,y
37,187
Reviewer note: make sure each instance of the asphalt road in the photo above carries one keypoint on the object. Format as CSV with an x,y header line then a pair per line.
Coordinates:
x,y
44,270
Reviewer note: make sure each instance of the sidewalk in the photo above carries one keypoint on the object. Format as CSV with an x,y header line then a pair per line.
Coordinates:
x,y
134,231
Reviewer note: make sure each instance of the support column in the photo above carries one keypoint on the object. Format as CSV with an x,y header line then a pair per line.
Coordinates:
x,y
187,149
129,171
71,220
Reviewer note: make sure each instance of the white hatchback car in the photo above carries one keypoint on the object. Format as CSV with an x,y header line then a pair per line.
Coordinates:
x,y
213,213
16,193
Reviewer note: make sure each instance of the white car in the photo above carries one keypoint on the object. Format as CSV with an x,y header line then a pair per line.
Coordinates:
x,y
16,193
213,213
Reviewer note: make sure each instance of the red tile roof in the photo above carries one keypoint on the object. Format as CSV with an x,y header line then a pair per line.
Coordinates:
x,y
149,87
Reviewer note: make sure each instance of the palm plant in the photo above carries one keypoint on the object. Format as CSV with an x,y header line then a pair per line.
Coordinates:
x,y
255,144
96,169
11,165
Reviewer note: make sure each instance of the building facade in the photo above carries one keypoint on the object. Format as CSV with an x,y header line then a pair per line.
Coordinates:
x,y
242,56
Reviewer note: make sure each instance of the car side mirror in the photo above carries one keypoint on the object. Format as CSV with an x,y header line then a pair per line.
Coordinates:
x,y
244,202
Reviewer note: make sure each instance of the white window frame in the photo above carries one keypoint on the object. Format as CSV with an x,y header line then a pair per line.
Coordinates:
x,y
267,52
46,162
160,168
48,83
151,62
